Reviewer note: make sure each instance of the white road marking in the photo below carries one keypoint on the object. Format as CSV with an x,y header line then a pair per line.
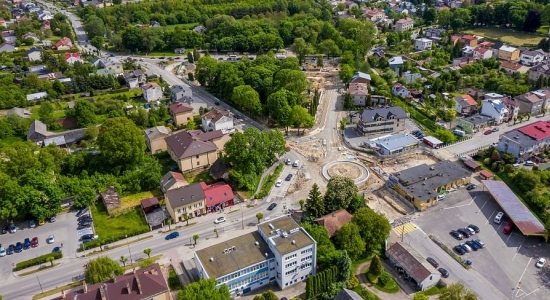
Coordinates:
x,y
498,228
460,205
527,266
481,208
517,251
535,290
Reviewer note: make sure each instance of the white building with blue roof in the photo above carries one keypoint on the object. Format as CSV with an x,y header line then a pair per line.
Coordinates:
x,y
495,109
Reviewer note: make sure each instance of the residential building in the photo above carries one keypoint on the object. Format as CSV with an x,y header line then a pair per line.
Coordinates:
x,y
359,93
461,62
393,144
3,23
465,104
110,198
31,35
151,91
37,96
432,142
395,63
7,47
541,69
179,93
435,34
71,58
21,112
39,134
172,180
334,221
511,68
531,57
360,77
512,106
45,25
181,113
417,270
411,77
63,44
280,251
421,185
374,14
218,197
185,202
422,44
400,90
110,63
154,214
494,109
532,102
135,78
217,119
146,283
195,149
474,123
34,54
482,53
154,138
380,121
468,52
525,141
377,99
495,47
46,43
508,53
469,40
404,24
9,36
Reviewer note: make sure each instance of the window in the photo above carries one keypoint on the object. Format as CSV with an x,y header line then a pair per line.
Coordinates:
x,y
291,264
198,163
291,256
307,251
197,156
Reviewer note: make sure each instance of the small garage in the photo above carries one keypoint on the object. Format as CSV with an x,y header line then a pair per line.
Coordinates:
x,y
472,165
486,175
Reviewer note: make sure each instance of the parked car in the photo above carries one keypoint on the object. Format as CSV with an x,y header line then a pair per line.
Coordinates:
x,y
52,219
271,206
472,232
540,263
529,163
288,162
56,249
84,220
487,132
13,228
479,243
432,262
456,234
83,226
444,273
474,227
32,224
279,183
11,249
465,233
90,236
472,245
495,129
26,243
82,212
50,239
86,240
508,228
83,217
172,235
34,242
219,220
498,217
18,247
460,250
2,251
288,177
466,247
471,187
5,229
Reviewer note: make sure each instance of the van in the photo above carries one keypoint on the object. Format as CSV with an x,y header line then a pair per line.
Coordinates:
x,y
296,163
498,217
459,132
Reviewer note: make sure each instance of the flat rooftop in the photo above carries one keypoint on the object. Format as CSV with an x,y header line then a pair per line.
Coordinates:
x,y
219,261
524,219
395,141
285,234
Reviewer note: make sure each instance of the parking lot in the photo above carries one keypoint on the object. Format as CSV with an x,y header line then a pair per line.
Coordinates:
x,y
507,261
63,229
279,193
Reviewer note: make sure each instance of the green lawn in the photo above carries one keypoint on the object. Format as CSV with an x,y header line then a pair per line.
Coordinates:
x,y
112,229
391,286
173,280
134,200
507,36
198,177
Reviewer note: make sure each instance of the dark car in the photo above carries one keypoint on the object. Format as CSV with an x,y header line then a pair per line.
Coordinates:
x,y
414,132
272,206
5,229
456,234
473,245
83,217
432,262
18,247
56,249
474,227
86,240
34,242
479,243
86,220
217,102
172,235
90,236
52,219
11,249
444,273
465,232
80,227
288,177
27,243
471,187
460,250
487,132
81,212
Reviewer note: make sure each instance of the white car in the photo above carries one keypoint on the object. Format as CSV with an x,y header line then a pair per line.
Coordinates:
x,y
50,239
540,263
465,246
219,220
279,183
2,251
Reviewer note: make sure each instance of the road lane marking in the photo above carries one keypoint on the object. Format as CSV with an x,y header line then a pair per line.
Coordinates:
x,y
527,266
490,217
481,208
457,206
517,251
498,228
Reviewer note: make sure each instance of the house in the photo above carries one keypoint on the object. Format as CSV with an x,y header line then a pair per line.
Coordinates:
x,y
525,141
7,47
150,204
374,14
151,91
377,99
3,23
154,138
219,171
511,68
181,113
495,47
63,44
463,61
531,57
383,120
135,78
435,34
185,202
279,252
533,102
218,197
359,93
482,53
110,63
46,43
34,54
411,77
31,35
421,185
469,40
71,58
422,44
21,112
39,134
334,221
395,63
494,109
110,198
400,90
195,149
142,284
45,25
179,51
199,29
179,93
217,119
360,77
9,36
346,294
542,69
465,104
154,214
36,96
508,53
474,123
404,24
512,106
393,143
418,271
172,180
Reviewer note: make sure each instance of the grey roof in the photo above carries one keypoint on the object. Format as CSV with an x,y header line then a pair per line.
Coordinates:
x,y
397,60
478,120
395,141
218,261
156,132
423,180
170,179
155,217
385,113
360,75
39,128
518,137
57,140
286,235
531,52
346,294
34,49
186,144
185,195
23,113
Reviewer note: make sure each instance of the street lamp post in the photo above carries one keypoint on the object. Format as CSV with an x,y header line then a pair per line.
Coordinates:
x,y
242,216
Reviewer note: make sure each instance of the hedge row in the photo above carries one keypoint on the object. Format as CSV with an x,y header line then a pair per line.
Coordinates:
x,y
37,260
269,182
450,252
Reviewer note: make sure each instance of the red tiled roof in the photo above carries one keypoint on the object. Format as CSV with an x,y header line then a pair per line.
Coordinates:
x,y
510,65
472,164
217,194
72,55
486,174
481,49
180,107
538,131
334,221
65,41
150,85
468,37
149,202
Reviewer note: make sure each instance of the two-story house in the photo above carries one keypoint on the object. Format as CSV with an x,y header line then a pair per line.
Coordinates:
x,y
469,40
465,104
135,78
531,57
526,140
9,36
400,90
374,14
359,93
63,44
383,120
395,63
71,58
435,34
181,113
109,63
404,24
482,53
186,202
179,93
154,138
494,109
508,53
195,149
422,44
34,54
217,119
541,69
151,91
533,102
360,77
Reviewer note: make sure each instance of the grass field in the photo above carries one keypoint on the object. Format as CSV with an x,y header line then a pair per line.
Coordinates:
x,y
112,229
134,200
193,177
507,36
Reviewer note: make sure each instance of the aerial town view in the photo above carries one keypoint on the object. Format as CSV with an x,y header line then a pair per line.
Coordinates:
x,y
274,150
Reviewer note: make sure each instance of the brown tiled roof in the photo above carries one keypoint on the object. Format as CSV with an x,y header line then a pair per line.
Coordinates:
x,y
180,107
215,115
510,65
472,164
357,88
186,144
409,260
150,85
334,221
405,20
149,202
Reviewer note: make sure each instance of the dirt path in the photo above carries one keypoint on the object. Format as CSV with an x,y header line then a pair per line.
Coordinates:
x,y
384,296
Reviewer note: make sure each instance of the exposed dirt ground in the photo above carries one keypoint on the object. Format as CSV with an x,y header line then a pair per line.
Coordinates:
x,y
313,150
346,170
403,163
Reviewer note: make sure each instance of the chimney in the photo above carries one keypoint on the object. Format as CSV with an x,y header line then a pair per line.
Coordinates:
x,y
128,287
63,295
102,292
114,276
84,287
140,291
134,270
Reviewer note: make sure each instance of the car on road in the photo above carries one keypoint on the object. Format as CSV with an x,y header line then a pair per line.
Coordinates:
x,y
52,219
172,235
217,102
288,177
508,228
474,227
487,132
2,251
479,243
219,220
18,247
471,187
495,129
56,249
11,249
466,247
13,228
50,239
466,233
460,250
288,162
271,206
540,263
34,242
279,183
32,224
472,245
444,273
26,243
82,212
432,262
456,234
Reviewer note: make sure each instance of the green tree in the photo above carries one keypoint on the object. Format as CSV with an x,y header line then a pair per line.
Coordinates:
x,y
101,269
349,239
302,203
191,125
267,295
169,222
45,112
278,107
525,180
247,99
374,227
315,204
259,216
327,255
216,232
195,238
320,62
344,267
121,142
84,113
444,135
131,38
204,289
301,49
375,267
206,70
50,259
457,291
301,118
98,42
94,26
123,260
144,263
346,73
340,192
190,58
357,203
147,252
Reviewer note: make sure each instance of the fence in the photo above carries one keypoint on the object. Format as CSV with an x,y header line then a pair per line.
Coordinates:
x,y
456,142
473,152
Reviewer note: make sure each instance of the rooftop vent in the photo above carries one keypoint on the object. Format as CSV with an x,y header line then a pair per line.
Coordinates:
x,y
271,226
266,255
257,243
293,242
211,259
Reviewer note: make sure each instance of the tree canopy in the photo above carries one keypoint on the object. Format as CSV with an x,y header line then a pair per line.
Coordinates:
x,y
121,143
101,269
340,192
204,289
373,227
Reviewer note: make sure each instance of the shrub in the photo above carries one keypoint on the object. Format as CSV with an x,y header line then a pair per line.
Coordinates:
x,y
269,182
372,278
384,279
37,260
353,282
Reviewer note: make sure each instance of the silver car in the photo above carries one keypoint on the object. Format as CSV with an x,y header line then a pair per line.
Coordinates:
x,y
50,239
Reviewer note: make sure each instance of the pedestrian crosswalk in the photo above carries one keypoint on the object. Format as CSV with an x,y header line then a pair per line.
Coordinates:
x,y
405,228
